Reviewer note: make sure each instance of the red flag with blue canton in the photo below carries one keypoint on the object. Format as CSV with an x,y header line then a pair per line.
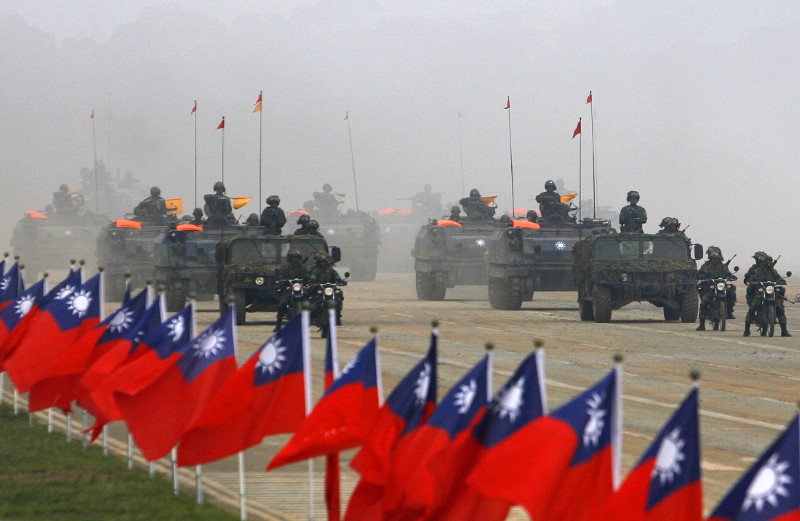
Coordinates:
x,y
266,396
12,316
52,330
162,345
60,386
158,412
413,486
10,286
407,407
770,490
665,485
342,418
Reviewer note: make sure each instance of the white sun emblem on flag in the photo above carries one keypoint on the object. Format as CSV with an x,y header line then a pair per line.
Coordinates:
x,y
23,305
4,283
423,383
465,396
349,366
768,484
175,328
510,401
669,458
79,302
209,344
121,321
65,292
271,357
594,427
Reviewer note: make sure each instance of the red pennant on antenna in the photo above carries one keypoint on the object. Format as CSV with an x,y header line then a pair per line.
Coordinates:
x,y
508,103
589,97
577,129
221,123
194,109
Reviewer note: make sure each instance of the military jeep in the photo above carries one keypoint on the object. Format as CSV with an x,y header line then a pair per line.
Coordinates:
x,y
612,270
523,260
248,268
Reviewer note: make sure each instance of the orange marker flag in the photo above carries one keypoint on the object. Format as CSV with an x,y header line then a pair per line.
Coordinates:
x,y
258,106
577,129
221,123
589,97
194,109
508,103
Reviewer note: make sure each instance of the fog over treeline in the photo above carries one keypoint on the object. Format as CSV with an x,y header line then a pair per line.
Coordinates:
x,y
696,104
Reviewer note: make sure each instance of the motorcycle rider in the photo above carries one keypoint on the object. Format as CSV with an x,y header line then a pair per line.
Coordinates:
x,y
323,272
273,218
632,216
292,268
763,270
713,268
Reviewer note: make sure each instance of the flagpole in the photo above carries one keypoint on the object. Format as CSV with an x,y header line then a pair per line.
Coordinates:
x,y
242,490
332,479
108,159
260,145
306,340
195,153
223,150
94,147
511,157
580,172
594,174
461,152
352,157
616,432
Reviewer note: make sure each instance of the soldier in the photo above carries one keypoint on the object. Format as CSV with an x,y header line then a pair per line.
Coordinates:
x,y
713,268
323,272
427,201
532,216
763,270
550,204
252,220
153,209
475,208
632,216
293,268
455,213
62,201
670,225
312,228
197,217
218,206
273,218
326,201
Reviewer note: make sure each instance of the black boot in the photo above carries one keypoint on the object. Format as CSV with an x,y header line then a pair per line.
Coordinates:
x,y
730,315
784,331
702,326
279,323
746,329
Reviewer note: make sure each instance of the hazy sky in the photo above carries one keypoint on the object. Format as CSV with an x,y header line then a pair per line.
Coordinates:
x,y
695,102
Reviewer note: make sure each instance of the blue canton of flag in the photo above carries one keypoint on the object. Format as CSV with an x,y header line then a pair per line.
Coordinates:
x,y
416,391
82,303
210,346
281,354
14,312
361,369
463,401
120,323
173,335
63,289
10,285
150,320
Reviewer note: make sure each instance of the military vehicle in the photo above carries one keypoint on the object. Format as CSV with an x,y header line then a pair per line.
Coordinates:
x,y
126,247
358,236
184,260
398,230
612,270
45,242
448,254
523,260
248,268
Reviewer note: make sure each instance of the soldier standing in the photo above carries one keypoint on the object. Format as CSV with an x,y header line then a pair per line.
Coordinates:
x,y
762,271
62,201
714,268
153,209
632,216
326,201
475,208
273,218
218,206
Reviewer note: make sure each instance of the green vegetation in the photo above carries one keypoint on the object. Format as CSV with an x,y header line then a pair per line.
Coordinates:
x,y
44,477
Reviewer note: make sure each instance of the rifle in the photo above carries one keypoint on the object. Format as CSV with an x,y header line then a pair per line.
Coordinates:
x,y
776,261
729,260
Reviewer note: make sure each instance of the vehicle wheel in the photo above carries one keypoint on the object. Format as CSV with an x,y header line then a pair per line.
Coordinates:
x,y
504,294
438,289
495,299
671,314
689,306
722,309
423,285
770,320
240,302
602,304
585,310
176,298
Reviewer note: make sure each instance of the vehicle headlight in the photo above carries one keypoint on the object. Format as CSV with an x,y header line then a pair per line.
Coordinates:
x,y
720,286
296,286
770,290
328,292
624,277
259,281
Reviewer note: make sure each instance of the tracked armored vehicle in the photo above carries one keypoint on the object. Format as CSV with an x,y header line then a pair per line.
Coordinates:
x,y
358,236
448,254
612,270
398,231
248,268
522,260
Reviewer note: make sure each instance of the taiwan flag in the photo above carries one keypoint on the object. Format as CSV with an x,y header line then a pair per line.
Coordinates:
x,y
665,484
342,418
770,490
13,315
160,348
158,412
413,487
60,386
409,405
52,331
266,396
10,286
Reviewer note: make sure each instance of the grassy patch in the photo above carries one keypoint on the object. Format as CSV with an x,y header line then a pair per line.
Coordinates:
x,y
44,477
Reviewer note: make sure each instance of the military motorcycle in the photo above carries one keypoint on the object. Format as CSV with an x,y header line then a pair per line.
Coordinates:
x,y
297,291
321,294
718,308
766,313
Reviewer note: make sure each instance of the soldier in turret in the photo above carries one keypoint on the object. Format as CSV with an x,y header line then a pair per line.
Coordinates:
x,y
326,200
632,216
475,208
218,206
273,218
62,201
669,225
153,209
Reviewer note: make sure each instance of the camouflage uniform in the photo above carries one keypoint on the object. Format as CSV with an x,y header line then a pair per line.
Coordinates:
x,y
153,209
669,225
714,268
455,214
197,217
763,271
322,273
550,205
475,208
273,218
218,206
293,268
632,216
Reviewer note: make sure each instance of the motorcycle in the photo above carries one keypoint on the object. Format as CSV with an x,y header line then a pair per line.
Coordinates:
x,y
325,296
296,289
766,313
718,308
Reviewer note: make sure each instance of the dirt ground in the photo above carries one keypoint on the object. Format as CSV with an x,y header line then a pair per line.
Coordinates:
x,y
749,386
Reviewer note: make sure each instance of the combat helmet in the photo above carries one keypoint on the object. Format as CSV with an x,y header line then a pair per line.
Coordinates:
x,y
155,191
633,194
219,186
273,199
474,193
549,185
760,257
326,187
197,212
313,225
294,256
714,252
252,220
303,219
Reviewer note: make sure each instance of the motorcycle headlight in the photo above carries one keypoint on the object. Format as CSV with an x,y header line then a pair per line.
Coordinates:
x,y
328,292
259,281
296,286
720,286
770,290
624,277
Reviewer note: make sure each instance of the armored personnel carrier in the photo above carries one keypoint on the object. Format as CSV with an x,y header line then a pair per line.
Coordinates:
x,y
612,270
449,254
358,236
532,257
126,247
248,268
184,260
398,230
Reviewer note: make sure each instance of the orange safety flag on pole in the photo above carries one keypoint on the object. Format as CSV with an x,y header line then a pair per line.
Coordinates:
x,y
221,123
258,106
238,202
589,97
194,109
577,129
174,206
569,197
489,199
508,103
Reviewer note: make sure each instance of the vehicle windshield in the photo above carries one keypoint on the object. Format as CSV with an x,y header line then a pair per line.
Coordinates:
x,y
668,249
271,251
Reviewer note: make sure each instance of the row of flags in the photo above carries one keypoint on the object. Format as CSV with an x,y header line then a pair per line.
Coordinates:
x,y
470,456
